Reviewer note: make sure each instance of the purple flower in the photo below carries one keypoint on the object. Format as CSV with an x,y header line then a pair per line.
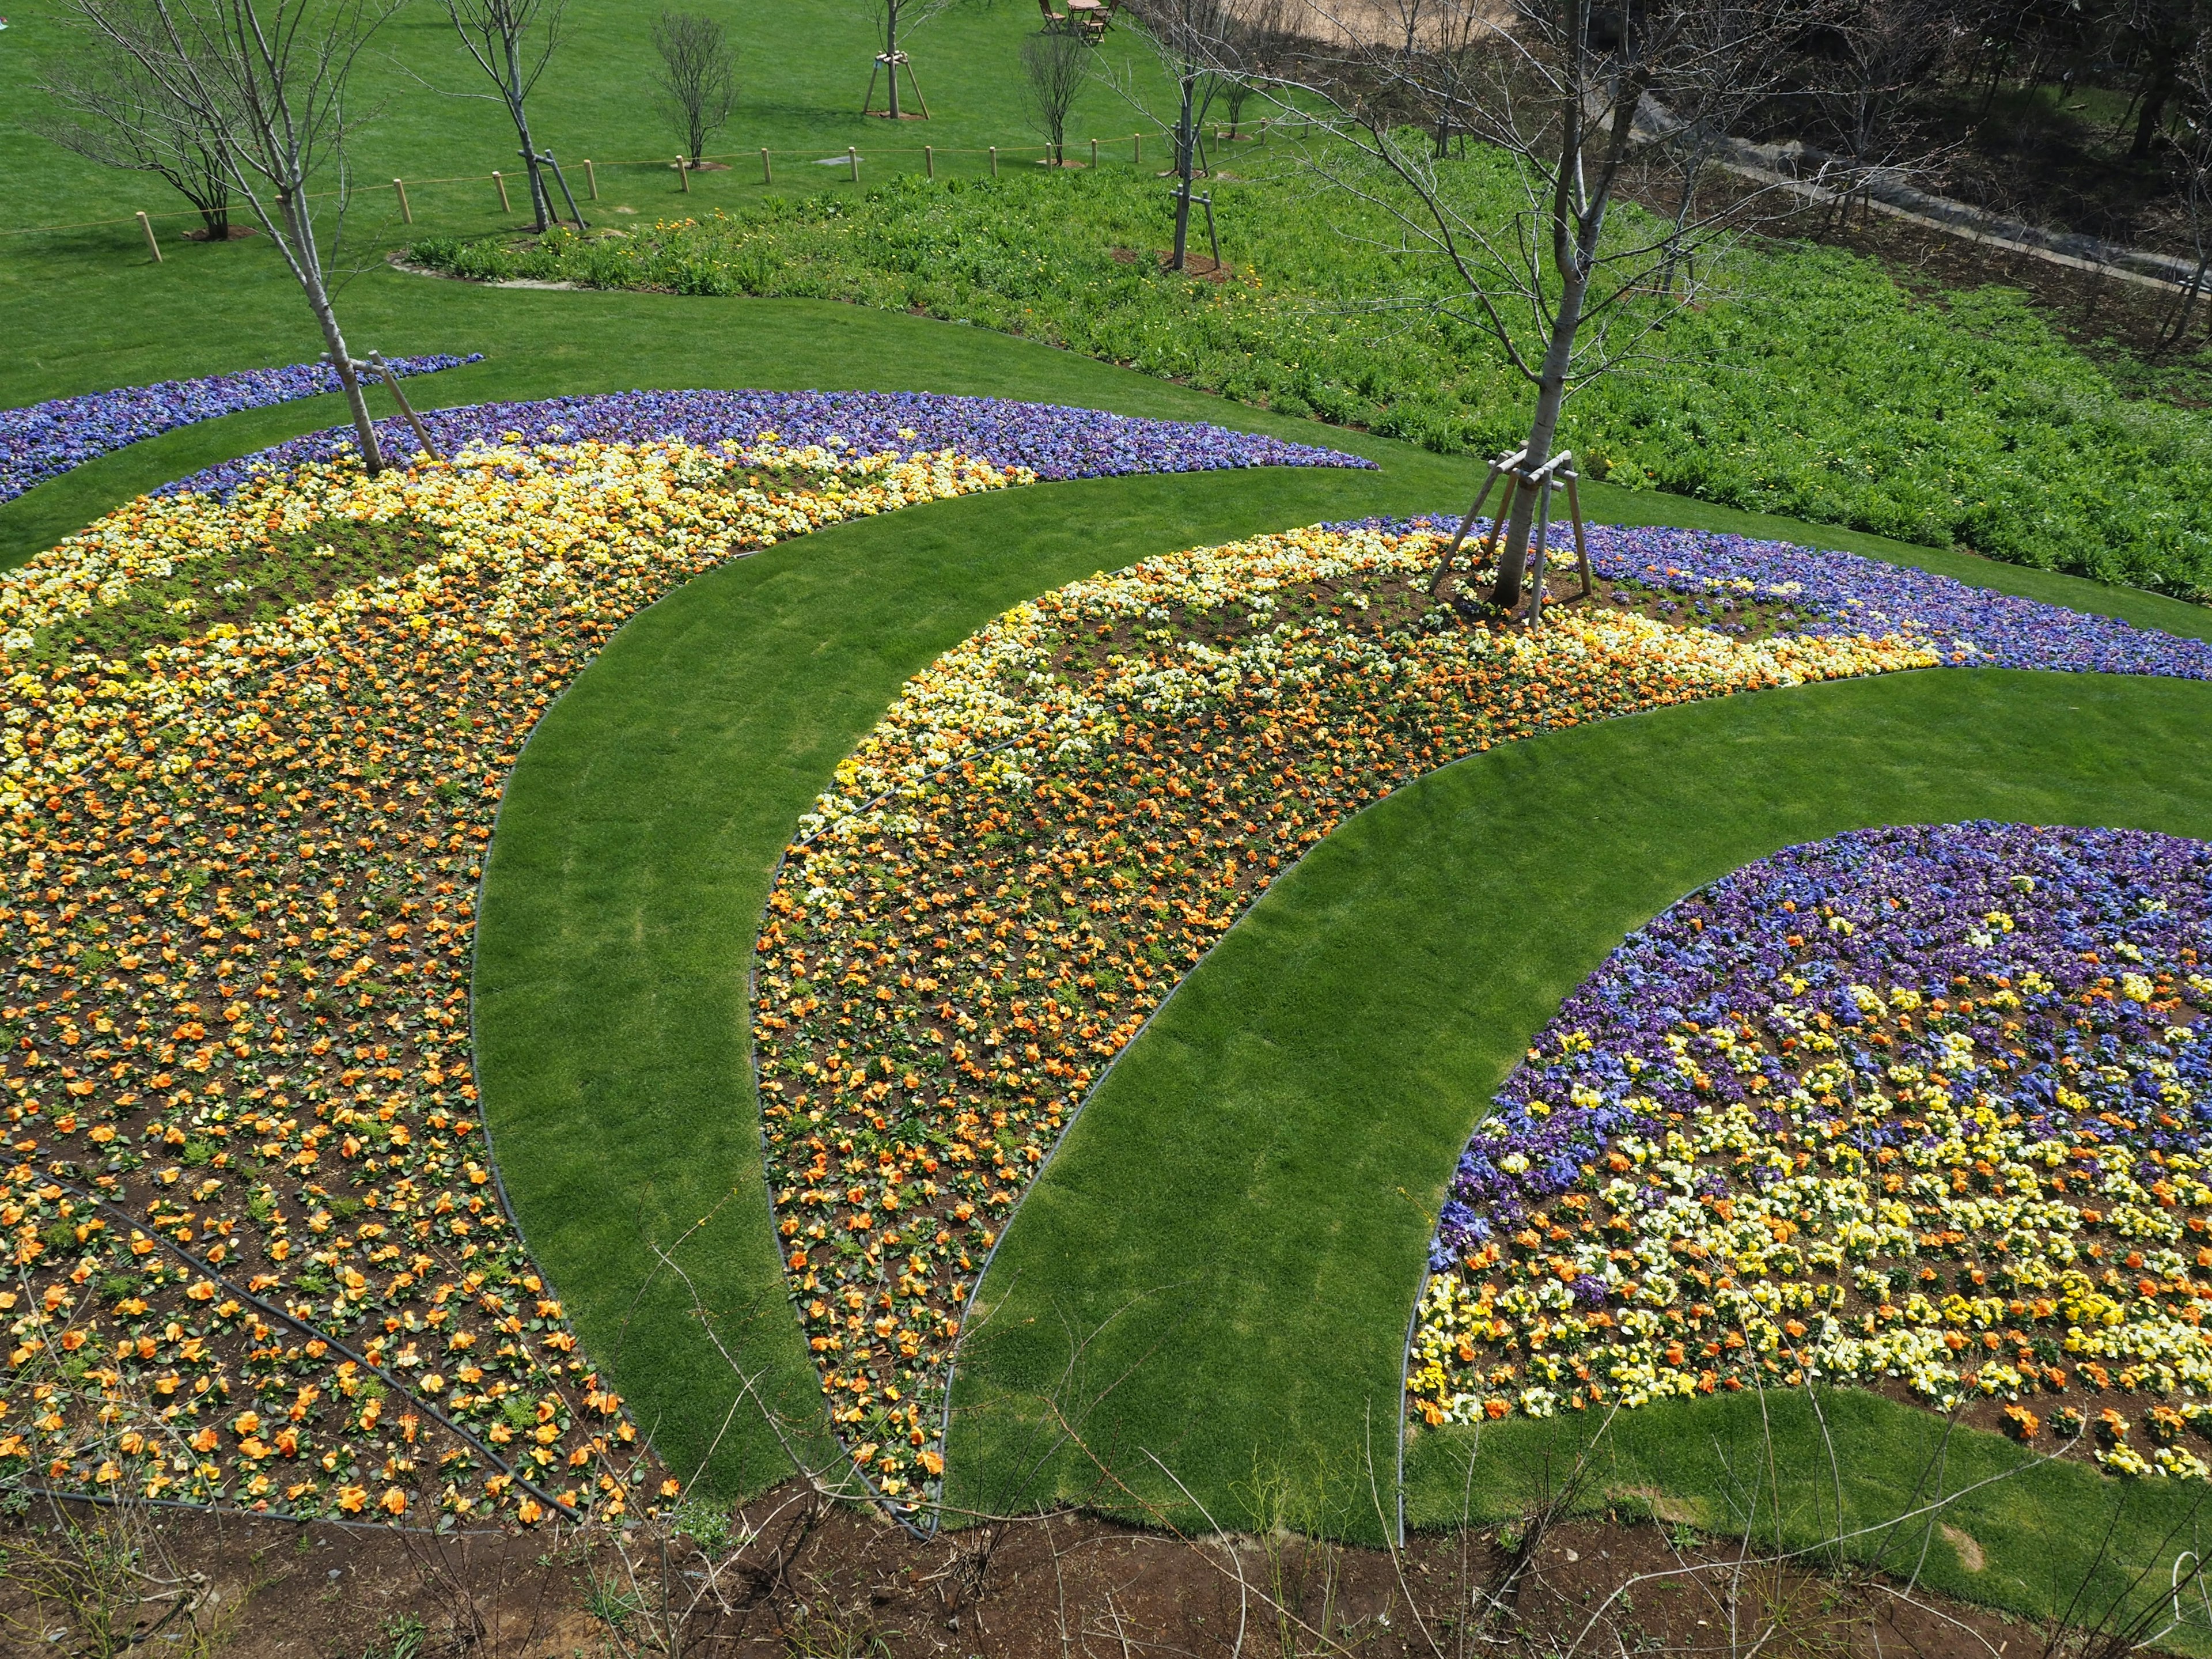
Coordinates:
x,y
44,441
1940,911
1052,441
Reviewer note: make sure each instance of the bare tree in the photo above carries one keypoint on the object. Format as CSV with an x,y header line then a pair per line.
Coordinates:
x,y
266,79
1734,63
697,79
2194,209
894,21
1055,63
1561,285
116,113
1884,48
1188,37
512,41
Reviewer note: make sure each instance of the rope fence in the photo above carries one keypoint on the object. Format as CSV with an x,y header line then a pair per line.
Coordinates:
x,y
683,167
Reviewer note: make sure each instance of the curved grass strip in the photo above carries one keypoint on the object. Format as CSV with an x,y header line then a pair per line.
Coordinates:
x,y
1235,1227
1921,1110
1016,864
43,441
240,855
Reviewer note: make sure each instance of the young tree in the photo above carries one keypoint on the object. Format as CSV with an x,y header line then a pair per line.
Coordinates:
x,y
697,79
1190,40
116,113
266,79
512,41
1563,289
1055,63
894,21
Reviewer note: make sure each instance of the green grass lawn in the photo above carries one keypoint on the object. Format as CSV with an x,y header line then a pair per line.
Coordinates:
x,y
1235,1227
94,311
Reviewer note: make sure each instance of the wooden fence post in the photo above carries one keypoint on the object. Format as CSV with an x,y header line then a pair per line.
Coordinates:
x,y
768,172
591,179
683,173
406,213
503,205
152,247
929,161
853,161
995,161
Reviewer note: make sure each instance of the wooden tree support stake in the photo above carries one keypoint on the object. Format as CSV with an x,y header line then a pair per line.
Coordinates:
x,y
152,247
995,161
1137,144
853,161
683,173
504,206
1518,476
406,213
1094,152
591,179
392,385
768,172
928,162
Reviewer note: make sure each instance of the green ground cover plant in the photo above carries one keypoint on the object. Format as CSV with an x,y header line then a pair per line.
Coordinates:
x,y
1810,385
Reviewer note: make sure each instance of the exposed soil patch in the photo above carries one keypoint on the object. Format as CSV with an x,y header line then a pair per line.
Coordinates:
x,y
798,1576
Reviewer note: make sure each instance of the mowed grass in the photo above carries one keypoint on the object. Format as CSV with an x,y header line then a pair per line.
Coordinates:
x,y
1211,1281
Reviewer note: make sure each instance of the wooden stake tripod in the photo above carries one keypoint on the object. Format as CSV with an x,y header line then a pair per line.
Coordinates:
x,y
1518,478
893,61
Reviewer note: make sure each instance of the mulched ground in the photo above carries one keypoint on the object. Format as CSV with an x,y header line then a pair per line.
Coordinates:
x,y
802,1579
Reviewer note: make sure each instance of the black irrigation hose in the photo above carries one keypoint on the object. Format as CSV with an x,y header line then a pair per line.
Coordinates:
x,y
209,1270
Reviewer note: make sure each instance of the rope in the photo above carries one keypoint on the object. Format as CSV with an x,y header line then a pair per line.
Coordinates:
x,y
659,161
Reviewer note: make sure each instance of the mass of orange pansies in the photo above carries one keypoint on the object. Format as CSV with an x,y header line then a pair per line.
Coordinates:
x,y
256,1250
1045,833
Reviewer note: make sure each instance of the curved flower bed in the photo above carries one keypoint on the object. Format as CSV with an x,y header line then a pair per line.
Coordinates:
x,y
43,441
251,745
1053,823
1924,1109
1044,439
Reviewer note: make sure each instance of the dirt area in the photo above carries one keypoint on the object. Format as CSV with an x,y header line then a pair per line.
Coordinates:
x,y
800,1578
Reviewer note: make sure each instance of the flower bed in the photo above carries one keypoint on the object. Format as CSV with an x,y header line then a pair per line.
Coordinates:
x,y
1060,817
1044,439
1924,1109
251,745
44,441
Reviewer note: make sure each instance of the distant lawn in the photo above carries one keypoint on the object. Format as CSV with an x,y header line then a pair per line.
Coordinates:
x,y
1237,1223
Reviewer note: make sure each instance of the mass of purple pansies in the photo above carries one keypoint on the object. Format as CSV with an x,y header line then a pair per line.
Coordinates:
x,y
44,441
1052,441
1925,1103
1850,595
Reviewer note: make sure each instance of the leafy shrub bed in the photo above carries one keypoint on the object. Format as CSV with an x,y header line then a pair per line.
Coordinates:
x,y
1816,387
1061,816
1924,1109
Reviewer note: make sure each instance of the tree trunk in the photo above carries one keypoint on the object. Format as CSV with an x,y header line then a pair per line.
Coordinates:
x,y
307,265
2156,92
1184,143
541,199
891,52
1551,394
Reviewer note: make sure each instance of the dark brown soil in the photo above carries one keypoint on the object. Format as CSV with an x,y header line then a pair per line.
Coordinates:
x,y
802,1579
235,233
